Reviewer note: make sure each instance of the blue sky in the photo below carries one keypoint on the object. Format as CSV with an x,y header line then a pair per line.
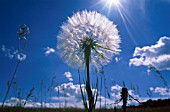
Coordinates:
x,y
140,23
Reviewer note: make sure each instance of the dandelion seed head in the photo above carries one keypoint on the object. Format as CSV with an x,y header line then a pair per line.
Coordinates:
x,y
79,29
24,30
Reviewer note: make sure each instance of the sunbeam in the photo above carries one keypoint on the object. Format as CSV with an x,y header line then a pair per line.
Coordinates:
x,y
127,20
124,14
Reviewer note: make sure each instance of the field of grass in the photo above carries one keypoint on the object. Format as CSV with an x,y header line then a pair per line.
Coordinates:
x,y
17,109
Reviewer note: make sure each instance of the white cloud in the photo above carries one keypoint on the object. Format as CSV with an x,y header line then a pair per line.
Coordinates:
x,y
11,53
116,95
157,55
116,88
13,101
163,91
16,102
49,50
72,94
68,76
70,89
72,97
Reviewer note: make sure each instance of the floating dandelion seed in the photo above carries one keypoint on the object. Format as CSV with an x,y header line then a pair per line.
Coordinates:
x,y
92,29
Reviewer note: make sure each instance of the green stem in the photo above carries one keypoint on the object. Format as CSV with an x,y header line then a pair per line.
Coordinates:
x,y
100,91
88,88
83,96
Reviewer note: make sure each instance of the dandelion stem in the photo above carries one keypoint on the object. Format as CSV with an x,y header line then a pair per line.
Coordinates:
x,y
89,92
100,91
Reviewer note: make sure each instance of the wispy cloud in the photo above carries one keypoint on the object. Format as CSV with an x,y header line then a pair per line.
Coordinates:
x,y
157,55
48,51
68,76
12,53
163,91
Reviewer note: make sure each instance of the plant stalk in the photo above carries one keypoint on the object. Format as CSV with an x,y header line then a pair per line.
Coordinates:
x,y
88,88
9,87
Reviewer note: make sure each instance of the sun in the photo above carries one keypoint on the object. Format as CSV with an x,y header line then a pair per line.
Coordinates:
x,y
109,4
112,2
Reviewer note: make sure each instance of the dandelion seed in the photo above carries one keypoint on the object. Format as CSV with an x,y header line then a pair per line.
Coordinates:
x,y
88,28
24,30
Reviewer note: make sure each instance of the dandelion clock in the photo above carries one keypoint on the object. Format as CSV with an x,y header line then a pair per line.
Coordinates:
x,y
88,29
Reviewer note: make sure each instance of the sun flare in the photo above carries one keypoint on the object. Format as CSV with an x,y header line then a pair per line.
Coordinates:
x,y
113,2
